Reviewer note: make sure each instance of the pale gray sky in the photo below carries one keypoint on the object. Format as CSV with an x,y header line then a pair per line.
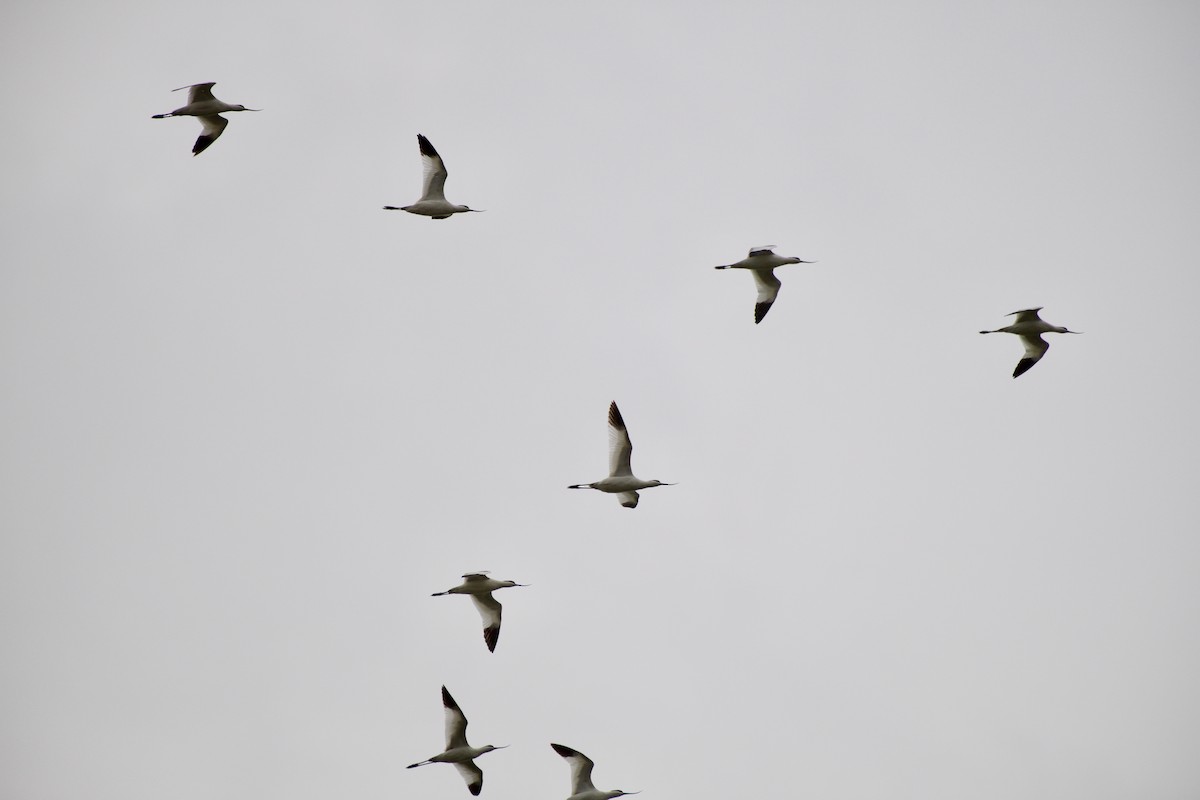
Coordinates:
x,y
250,421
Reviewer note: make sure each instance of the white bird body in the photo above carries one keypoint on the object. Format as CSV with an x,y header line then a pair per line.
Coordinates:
x,y
762,262
433,202
1030,327
206,108
621,480
582,787
457,751
480,587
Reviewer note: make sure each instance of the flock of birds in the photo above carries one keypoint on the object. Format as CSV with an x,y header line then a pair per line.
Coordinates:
x,y
761,262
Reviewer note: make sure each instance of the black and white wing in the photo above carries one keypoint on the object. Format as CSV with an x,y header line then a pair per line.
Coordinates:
x,y
472,774
489,609
619,446
768,290
1035,348
581,768
435,172
456,722
214,126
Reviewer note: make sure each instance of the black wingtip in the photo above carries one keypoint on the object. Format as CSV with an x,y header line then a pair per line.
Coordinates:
x,y
563,750
614,416
448,701
1023,366
491,636
426,147
476,788
760,311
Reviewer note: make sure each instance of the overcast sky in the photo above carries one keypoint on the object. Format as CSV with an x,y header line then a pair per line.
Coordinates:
x,y
250,421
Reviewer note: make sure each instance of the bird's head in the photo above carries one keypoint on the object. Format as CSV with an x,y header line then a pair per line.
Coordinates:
x,y
487,748
243,108
660,483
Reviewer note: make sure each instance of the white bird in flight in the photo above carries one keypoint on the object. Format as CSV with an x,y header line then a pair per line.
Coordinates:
x,y
762,261
206,108
480,587
457,751
433,201
581,776
621,480
1030,327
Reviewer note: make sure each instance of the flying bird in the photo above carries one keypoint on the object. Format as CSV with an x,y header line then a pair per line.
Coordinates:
x,y
621,480
480,587
433,201
581,776
762,261
458,752
1030,327
206,108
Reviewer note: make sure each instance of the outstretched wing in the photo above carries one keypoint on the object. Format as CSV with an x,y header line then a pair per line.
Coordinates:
x,y
581,768
472,774
768,290
1026,315
619,446
456,722
489,610
1035,348
435,172
214,126
198,92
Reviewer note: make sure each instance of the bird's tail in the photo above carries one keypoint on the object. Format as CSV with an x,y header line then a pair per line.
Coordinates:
x,y
418,764
581,486
723,266
161,116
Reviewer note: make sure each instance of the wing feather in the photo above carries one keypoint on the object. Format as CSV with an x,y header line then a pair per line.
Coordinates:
x,y
619,447
1026,315
214,126
198,92
768,290
472,774
435,172
489,609
1035,348
581,768
456,722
